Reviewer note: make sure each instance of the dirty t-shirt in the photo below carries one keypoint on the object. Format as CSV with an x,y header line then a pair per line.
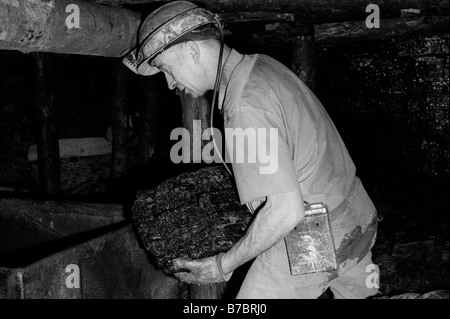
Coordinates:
x,y
306,153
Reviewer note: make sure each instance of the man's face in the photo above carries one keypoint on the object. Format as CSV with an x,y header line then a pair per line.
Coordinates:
x,y
181,71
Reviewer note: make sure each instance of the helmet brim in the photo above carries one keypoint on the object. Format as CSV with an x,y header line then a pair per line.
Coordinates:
x,y
146,69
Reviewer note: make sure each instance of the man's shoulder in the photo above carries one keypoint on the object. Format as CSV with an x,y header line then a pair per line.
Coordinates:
x,y
266,65
270,83
263,83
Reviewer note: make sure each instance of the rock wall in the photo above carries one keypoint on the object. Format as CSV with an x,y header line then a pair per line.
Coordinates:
x,y
399,88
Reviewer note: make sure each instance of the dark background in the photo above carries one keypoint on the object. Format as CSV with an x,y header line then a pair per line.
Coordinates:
x,y
388,99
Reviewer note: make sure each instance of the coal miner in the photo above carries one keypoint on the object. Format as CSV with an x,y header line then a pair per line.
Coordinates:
x,y
255,92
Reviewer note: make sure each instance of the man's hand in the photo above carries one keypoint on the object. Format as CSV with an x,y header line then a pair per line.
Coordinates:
x,y
202,271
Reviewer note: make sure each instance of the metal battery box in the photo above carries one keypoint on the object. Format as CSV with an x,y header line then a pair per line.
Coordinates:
x,y
310,245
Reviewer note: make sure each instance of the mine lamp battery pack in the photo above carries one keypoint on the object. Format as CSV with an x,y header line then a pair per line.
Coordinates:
x,y
310,245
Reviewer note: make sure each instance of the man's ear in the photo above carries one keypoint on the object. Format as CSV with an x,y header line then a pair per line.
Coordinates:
x,y
193,51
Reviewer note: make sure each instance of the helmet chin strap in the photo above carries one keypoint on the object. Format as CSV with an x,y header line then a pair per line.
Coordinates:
x,y
214,99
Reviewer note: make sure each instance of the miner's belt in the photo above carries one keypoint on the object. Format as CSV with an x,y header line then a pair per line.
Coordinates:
x,y
349,198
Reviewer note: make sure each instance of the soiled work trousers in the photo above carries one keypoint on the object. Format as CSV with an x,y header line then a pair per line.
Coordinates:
x,y
354,225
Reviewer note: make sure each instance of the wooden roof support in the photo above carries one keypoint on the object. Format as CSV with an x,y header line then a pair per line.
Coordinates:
x,y
40,25
236,17
119,118
341,32
303,57
105,30
315,11
149,105
44,111
355,31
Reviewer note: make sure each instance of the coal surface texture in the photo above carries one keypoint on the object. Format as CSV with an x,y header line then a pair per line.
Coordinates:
x,y
192,215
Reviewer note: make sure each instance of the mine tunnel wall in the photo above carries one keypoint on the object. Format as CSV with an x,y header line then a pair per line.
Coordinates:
x,y
394,93
388,99
397,93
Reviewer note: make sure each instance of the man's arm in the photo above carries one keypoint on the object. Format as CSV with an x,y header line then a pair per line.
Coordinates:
x,y
283,209
280,214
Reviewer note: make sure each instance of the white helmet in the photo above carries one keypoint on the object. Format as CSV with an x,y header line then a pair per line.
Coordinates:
x,y
163,28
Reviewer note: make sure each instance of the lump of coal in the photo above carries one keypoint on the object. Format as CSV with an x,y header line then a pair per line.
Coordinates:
x,y
193,215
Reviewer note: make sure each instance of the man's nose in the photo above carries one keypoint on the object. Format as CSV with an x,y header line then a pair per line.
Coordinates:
x,y
170,81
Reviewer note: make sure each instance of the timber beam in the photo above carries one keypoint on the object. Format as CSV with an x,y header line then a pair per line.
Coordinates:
x,y
109,30
344,32
66,26
315,11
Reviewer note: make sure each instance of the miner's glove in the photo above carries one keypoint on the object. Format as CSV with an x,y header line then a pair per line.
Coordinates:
x,y
202,271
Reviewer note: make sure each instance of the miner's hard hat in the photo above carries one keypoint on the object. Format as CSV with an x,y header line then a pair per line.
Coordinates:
x,y
166,26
